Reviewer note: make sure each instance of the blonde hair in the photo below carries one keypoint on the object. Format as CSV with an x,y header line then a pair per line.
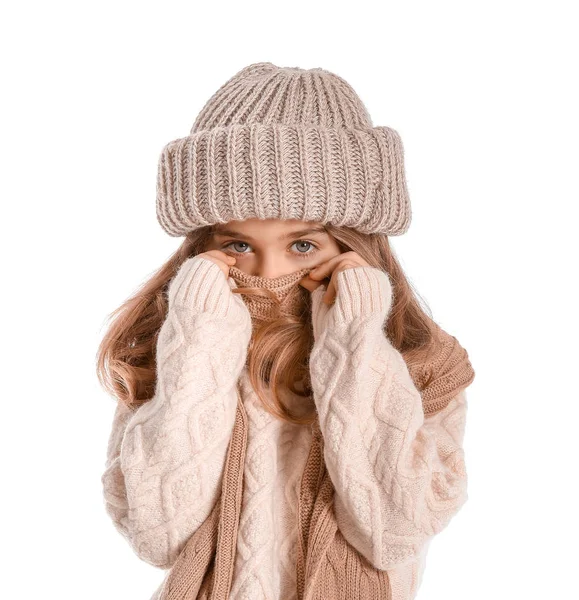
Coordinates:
x,y
279,349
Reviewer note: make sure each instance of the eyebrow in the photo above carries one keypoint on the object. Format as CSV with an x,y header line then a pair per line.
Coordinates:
x,y
291,234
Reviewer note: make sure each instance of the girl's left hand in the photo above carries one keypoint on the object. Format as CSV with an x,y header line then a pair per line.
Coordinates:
x,y
330,269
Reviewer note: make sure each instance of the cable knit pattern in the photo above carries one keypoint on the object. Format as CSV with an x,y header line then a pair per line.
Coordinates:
x,y
399,478
267,537
165,460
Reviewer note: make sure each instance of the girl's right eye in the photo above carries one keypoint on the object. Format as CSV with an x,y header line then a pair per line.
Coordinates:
x,y
237,244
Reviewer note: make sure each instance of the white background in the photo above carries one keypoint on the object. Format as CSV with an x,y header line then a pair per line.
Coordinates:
x,y
485,98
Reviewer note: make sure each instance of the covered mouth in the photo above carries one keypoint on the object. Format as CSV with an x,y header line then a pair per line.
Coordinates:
x,y
280,286
288,299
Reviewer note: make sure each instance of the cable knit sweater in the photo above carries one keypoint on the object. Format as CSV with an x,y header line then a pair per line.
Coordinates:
x,y
399,477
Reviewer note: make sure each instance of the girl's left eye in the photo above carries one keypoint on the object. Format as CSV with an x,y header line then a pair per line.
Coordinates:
x,y
306,254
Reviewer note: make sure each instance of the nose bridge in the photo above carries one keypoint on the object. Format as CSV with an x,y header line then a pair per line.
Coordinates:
x,y
270,264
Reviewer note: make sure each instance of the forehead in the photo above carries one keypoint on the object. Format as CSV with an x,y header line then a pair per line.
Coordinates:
x,y
270,230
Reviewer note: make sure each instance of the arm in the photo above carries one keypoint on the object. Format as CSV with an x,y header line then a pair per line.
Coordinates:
x,y
399,477
165,460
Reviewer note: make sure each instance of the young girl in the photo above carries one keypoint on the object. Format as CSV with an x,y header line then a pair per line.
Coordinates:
x,y
289,420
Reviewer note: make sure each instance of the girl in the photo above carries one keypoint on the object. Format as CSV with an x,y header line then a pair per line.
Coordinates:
x,y
289,420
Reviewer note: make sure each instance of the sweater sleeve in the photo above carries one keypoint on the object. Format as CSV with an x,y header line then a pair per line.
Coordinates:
x,y
399,476
165,460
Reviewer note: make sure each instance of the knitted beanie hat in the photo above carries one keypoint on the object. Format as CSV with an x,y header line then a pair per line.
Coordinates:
x,y
284,143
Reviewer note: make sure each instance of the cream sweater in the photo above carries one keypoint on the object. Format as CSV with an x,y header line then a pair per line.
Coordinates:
x,y
165,460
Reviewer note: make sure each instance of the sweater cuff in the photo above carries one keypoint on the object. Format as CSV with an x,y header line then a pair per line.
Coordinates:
x,y
362,291
201,287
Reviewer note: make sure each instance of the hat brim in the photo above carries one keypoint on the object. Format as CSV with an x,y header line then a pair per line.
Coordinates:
x,y
347,177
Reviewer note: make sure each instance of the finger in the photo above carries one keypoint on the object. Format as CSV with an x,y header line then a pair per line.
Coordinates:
x,y
227,258
330,294
325,269
309,284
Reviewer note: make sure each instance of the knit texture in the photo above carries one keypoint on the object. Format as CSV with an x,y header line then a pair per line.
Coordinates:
x,y
285,289
267,538
265,563
284,143
199,472
440,374
166,480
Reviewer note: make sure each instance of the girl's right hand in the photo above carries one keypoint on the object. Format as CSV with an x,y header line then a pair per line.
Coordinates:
x,y
196,287
223,261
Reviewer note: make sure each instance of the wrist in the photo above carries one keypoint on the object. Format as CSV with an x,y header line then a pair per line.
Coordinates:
x,y
200,286
362,291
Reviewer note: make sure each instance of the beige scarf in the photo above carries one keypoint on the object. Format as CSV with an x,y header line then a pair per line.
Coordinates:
x,y
281,295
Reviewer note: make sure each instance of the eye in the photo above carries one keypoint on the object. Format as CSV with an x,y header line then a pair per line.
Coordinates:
x,y
302,246
233,244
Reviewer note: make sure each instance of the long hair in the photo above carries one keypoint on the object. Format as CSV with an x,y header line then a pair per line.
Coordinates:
x,y
278,353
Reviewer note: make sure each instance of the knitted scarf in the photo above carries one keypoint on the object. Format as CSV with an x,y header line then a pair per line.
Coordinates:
x,y
282,296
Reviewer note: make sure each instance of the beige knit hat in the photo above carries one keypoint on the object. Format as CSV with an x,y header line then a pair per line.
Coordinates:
x,y
284,143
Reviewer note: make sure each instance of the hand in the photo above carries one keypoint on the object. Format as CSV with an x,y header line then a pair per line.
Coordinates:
x,y
329,269
223,261
185,294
